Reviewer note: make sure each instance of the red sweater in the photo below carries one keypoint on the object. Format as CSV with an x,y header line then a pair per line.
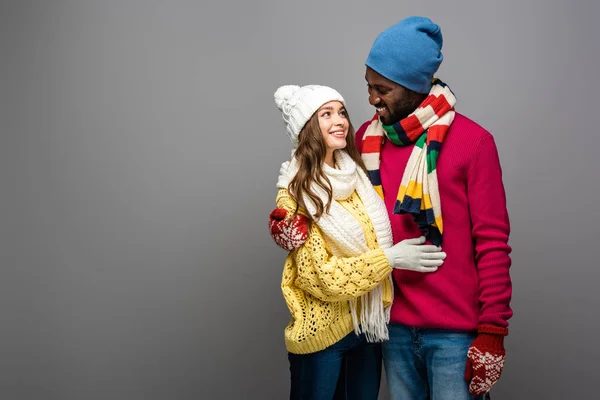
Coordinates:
x,y
473,285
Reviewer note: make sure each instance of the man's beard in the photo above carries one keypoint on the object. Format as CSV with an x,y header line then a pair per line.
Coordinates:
x,y
400,111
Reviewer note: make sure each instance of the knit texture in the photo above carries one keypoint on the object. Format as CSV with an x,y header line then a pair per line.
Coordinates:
x,y
317,286
297,104
426,128
473,285
344,233
408,53
485,359
288,233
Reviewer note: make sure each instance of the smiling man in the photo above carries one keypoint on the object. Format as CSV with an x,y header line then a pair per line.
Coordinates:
x,y
394,102
440,175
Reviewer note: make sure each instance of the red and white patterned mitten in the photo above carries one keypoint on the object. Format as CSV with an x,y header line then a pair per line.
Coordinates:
x,y
289,234
485,359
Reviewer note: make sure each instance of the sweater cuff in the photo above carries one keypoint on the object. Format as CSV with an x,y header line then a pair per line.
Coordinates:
x,y
381,264
492,329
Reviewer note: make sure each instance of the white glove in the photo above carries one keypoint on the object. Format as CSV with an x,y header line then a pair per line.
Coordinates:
x,y
413,255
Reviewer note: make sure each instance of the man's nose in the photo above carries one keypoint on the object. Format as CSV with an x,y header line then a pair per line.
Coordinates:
x,y
373,98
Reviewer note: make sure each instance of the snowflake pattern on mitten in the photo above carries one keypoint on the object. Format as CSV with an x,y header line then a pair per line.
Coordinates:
x,y
288,234
486,370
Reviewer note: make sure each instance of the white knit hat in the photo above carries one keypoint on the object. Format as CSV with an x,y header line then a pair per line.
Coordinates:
x,y
297,104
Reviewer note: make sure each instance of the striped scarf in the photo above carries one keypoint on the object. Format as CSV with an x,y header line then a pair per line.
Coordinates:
x,y
426,127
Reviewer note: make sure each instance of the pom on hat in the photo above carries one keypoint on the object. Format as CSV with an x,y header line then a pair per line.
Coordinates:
x,y
408,53
297,104
283,94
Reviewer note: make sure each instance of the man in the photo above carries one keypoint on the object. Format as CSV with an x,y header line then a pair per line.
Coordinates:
x,y
441,177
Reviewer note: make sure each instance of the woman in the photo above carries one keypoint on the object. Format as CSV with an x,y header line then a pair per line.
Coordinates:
x,y
337,284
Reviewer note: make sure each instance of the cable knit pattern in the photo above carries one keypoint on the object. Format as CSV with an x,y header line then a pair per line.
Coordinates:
x,y
344,233
341,227
318,285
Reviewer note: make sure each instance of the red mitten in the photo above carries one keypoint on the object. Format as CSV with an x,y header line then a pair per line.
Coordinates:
x,y
289,234
485,359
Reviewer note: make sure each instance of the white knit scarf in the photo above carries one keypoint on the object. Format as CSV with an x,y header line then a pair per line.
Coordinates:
x,y
344,234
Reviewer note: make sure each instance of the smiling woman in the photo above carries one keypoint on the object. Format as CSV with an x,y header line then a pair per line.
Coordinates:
x,y
333,122
318,125
337,283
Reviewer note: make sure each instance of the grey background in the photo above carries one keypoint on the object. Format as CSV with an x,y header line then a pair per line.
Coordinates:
x,y
139,150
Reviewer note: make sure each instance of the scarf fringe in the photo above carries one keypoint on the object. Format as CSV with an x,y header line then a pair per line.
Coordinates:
x,y
345,236
376,317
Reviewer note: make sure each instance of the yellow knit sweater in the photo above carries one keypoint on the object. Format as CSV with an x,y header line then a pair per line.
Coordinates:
x,y
317,285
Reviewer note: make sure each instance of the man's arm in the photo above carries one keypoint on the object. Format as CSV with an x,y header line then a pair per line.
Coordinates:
x,y
490,232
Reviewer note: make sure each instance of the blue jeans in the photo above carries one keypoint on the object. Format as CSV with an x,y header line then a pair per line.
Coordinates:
x,y
347,370
427,364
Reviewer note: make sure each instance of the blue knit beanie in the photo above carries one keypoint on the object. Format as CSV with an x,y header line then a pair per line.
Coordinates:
x,y
408,53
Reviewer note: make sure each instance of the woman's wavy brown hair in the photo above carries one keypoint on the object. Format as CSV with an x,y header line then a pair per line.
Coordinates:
x,y
310,155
